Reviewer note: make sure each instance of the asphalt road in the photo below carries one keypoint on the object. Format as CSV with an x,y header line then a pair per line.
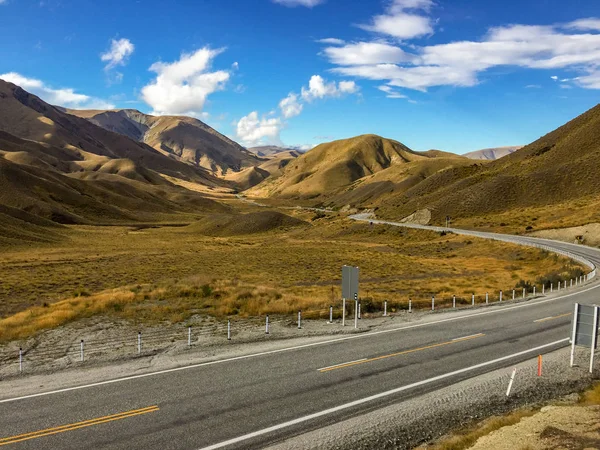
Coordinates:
x,y
253,401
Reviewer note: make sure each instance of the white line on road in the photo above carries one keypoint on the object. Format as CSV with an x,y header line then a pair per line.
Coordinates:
x,y
374,397
342,364
468,337
298,347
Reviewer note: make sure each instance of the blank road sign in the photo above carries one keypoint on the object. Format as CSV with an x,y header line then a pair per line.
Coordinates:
x,y
584,330
349,282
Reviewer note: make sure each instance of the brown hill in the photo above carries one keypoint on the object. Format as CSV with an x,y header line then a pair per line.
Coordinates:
x,y
559,167
355,171
55,167
271,150
187,139
238,224
272,168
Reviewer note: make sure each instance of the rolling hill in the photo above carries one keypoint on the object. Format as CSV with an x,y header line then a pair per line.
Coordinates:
x,y
355,171
272,168
558,169
183,138
61,169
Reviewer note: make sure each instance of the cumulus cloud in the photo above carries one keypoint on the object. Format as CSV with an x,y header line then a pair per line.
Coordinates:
x,y
294,3
118,54
290,106
461,63
590,24
319,88
66,97
182,87
253,130
403,20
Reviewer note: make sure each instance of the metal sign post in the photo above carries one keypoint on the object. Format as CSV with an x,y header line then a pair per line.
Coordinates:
x,y
585,330
350,290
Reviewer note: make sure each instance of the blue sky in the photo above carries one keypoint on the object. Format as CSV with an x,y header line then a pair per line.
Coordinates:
x,y
455,75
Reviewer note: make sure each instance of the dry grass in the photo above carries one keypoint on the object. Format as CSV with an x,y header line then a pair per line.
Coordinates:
x,y
165,273
468,437
591,396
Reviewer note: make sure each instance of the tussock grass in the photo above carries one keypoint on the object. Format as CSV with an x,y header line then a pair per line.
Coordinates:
x,y
592,396
170,274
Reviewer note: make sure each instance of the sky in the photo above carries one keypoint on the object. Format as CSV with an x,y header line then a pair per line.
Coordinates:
x,y
454,75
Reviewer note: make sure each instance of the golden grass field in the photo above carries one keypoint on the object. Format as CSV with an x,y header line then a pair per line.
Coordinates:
x,y
172,273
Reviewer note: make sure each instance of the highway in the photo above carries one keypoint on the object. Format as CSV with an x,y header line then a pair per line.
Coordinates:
x,y
252,401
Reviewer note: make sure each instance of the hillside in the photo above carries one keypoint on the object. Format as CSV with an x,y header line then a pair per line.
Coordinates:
x,y
492,153
270,150
57,168
272,168
185,138
557,169
355,171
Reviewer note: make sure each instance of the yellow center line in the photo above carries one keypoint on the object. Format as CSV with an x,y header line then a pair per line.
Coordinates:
x,y
405,352
545,319
77,425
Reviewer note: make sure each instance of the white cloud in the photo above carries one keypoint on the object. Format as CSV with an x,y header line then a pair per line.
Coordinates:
x,y
590,24
590,81
391,92
366,53
235,66
118,54
3,2
554,77
66,97
319,88
461,63
331,41
402,20
290,106
294,3
182,87
533,86
252,130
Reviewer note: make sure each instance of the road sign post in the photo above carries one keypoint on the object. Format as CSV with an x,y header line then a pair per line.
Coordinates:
x,y
585,330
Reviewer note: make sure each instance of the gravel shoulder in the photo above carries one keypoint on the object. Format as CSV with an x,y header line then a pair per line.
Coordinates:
x,y
427,418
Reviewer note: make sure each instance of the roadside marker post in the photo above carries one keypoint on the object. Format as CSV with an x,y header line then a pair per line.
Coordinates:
x,y
433,302
551,287
330,314
524,292
343,312
487,298
594,340
571,282
267,325
510,383
500,295
20,360
513,294
454,301
81,351
385,308
139,342
189,336
539,372
299,320
359,318
409,306
534,291
228,329
543,289
472,299
574,334
356,311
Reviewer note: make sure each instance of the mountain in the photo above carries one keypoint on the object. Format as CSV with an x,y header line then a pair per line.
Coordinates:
x,y
272,168
355,171
553,172
492,153
183,138
270,150
55,167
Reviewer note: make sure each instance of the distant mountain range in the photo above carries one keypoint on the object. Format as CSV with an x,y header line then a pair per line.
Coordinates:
x,y
492,153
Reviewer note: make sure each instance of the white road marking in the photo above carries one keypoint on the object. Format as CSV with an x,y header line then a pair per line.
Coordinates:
x,y
468,337
298,347
342,364
374,397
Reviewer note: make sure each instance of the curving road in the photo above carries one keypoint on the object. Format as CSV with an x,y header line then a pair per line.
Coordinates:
x,y
251,401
